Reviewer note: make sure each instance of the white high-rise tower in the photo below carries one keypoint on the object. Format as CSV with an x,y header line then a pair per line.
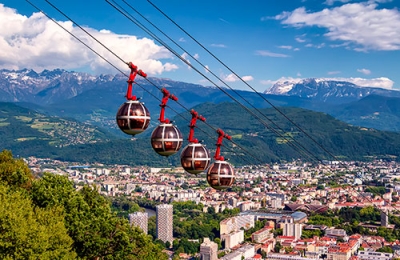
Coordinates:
x,y
139,219
164,222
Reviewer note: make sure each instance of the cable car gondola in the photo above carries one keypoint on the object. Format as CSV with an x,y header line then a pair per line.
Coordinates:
x,y
166,138
220,175
195,158
132,116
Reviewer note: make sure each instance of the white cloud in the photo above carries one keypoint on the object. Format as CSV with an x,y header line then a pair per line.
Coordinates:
x,y
298,74
381,82
271,54
298,39
333,72
362,24
247,78
233,78
230,78
364,71
287,47
196,56
185,59
182,39
39,43
207,69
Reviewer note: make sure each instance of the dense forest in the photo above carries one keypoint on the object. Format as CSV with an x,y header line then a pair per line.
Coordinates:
x,y
47,218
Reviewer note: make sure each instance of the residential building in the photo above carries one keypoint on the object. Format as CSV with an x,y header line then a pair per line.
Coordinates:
x,y
139,219
290,228
233,239
275,256
243,252
262,235
208,250
164,214
372,255
384,218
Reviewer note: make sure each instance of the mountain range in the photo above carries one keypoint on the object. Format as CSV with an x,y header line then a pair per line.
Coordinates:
x,y
95,99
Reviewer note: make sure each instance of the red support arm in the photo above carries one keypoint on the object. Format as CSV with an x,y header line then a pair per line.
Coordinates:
x,y
221,136
164,100
192,125
131,80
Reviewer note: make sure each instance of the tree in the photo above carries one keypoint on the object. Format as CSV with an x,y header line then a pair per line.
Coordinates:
x,y
385,249
218,241
27,232
14,172
48,219
277,247
94,228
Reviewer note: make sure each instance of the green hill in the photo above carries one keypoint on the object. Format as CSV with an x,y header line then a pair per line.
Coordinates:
x,y
27,133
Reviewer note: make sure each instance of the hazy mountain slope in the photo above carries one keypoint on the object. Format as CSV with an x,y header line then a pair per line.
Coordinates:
x,y
254,143
372,111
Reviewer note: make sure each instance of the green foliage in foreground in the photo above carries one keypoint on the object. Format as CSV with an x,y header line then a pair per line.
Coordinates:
x,y
48,219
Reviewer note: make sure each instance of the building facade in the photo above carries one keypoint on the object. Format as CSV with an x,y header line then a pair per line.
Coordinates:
x,y
164,215
208,250
290,228
233,239
139,219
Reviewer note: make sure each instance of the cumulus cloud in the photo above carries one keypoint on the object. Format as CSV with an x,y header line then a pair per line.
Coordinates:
x,y
381,82
362,24
233,78
271,54
247,78
39,43
364,71
230,78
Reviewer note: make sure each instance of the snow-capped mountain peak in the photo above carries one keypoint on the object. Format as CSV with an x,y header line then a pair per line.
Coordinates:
x,y
326,90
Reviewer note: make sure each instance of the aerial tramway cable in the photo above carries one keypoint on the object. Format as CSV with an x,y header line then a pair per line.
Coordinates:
x,y
135,21
272,105
88,33
124,62
234,73
122,72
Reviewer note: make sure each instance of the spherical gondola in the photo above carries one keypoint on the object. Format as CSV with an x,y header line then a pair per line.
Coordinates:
x,y
166,139
220,175
133,117
195,158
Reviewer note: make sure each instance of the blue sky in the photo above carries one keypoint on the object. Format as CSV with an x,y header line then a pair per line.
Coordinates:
x,y
261,41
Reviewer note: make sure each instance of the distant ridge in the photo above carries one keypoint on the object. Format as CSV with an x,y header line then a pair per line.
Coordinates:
x,y
329,91
95,99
